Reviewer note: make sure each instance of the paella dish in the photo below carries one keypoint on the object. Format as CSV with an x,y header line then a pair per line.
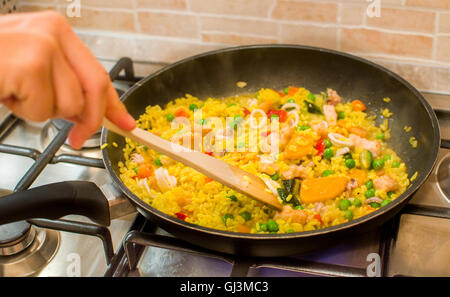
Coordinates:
x,y
323,157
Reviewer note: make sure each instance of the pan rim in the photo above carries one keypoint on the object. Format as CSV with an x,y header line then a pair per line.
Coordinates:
x,y
403,198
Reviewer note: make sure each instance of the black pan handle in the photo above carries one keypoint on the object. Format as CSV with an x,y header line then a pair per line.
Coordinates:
x,y
54,201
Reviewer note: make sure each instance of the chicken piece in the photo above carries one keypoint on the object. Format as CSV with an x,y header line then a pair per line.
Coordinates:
x,y
321,128
295,171
330,114
373,146
288,213
285,135
333,97
267,165
385,183
361,132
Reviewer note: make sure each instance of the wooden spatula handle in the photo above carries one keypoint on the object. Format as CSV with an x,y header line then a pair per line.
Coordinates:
x,y
216,169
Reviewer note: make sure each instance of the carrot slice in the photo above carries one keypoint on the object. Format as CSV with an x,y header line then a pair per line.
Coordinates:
x,y
357,105
292,91
359,175
298,147
322,188
144,171
243,229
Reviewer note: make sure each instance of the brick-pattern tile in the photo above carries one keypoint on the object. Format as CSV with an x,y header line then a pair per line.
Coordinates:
x,y
244,26
373,41
309,35
104,20
235,39
258,8
352,14
444,23
404,19
168,24
305,11
165,4
443,48
445,4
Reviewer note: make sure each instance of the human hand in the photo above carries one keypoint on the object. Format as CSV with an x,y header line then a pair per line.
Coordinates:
x,y
47,72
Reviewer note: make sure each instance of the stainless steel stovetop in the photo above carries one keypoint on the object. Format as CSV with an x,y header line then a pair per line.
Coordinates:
x,y
415,243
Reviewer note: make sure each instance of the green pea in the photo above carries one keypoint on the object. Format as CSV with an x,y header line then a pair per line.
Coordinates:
x,y
366,159
357,202
341,115
385,202
193,107
370,193
395,164
299,207
262,227
378,164
170,117
390,194
290,231
246,215
375,205
350,163
272,226
312,97
202,122
226,217
158,162
286,90
135,169
291,101
232,198
348,215
369,184
241,144
327,173
275,176
344,204
328,153
387,157
380,136
232,104
238,119
302,128
327,143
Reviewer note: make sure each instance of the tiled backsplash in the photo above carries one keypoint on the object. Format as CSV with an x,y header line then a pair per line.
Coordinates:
x,y
411,37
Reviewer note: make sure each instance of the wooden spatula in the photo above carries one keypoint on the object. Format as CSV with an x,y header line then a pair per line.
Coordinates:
x,y
231,176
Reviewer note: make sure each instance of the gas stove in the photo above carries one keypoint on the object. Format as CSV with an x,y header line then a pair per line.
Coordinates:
x,y
414,243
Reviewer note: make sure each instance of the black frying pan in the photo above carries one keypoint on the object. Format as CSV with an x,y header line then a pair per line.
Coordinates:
x,y
215,74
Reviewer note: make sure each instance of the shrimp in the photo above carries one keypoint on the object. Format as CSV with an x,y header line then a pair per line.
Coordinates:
x,y
330,114
333,97
295,171
321,128
292,215
385,183
373,146
267,165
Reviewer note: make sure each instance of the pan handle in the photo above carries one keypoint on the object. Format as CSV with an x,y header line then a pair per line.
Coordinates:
x,y
54,201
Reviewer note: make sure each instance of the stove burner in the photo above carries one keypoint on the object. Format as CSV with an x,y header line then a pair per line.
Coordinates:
x,y
33,259
15,237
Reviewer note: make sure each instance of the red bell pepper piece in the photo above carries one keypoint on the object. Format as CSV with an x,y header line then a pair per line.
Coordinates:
x,y
282,114
246,111
318,217
320,147
181,216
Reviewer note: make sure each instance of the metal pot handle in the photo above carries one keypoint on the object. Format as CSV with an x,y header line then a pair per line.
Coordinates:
x,y
54,201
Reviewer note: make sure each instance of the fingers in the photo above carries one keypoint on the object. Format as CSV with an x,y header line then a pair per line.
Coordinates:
x,y
101,98
116,111
67,89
